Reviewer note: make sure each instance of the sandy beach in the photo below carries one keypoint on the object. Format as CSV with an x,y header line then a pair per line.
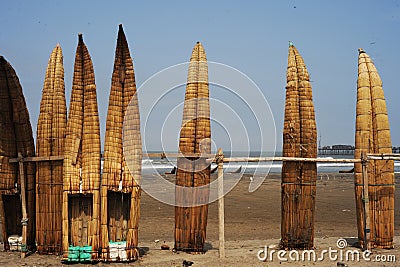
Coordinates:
x,y
252,221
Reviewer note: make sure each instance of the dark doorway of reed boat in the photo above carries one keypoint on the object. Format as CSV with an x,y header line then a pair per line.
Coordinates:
x,y
13,215
80,213
119,206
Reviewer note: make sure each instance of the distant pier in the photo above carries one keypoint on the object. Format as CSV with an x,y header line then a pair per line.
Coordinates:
x,y
343,150
336,150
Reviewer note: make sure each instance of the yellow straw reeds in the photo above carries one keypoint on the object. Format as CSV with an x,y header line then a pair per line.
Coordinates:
x,y
299,140
81,181
195,134
373,136
15,137
50,142
120,194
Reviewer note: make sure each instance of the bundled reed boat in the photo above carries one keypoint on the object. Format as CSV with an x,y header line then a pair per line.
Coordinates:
x,y
50,142
373,136
17,210
81,182
192,172
299,140
120,193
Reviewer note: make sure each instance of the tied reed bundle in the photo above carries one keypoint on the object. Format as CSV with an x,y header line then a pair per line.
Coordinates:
x,y
120,194
373,136
81,182
191,222
50,142
299,140
15,138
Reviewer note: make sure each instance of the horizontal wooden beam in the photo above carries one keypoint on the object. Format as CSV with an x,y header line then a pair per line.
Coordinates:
x,y
211,157
178,155
387,156
30,159
254,159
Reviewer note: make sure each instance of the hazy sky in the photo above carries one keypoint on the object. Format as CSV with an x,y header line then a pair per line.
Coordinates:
x,y
250,36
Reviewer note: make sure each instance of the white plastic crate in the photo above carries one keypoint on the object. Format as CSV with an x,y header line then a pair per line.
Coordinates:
x,y
15,242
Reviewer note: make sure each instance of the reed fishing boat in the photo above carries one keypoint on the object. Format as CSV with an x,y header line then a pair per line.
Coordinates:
x,y
192,172
120,193
299,140
373,136
17,230
50,142
81,181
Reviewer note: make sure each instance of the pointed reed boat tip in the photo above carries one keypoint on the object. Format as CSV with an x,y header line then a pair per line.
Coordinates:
x,y
291,43
120,26
360,50
80,37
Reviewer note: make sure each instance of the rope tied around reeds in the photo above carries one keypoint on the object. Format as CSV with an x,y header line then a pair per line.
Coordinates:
x,y
219,158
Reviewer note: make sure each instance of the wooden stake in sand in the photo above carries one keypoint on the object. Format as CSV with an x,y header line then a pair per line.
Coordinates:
x,y
191,221
81,182
17,205
373,136
221,208
367,230
120,186
299,140
50,142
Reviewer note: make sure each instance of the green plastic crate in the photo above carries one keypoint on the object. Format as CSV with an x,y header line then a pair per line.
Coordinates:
x,y
85,253
73,253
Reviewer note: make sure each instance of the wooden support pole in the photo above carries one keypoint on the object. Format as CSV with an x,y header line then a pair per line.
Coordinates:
x,y
24,220
383,157
367,231
221,208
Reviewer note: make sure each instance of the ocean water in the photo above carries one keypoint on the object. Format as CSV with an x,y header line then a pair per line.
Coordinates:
x,y
157,165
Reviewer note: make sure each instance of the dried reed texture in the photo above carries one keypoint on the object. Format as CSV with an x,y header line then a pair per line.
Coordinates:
x,y
373,136
299,140
120,194
191,222
15,137
50,142
82,159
